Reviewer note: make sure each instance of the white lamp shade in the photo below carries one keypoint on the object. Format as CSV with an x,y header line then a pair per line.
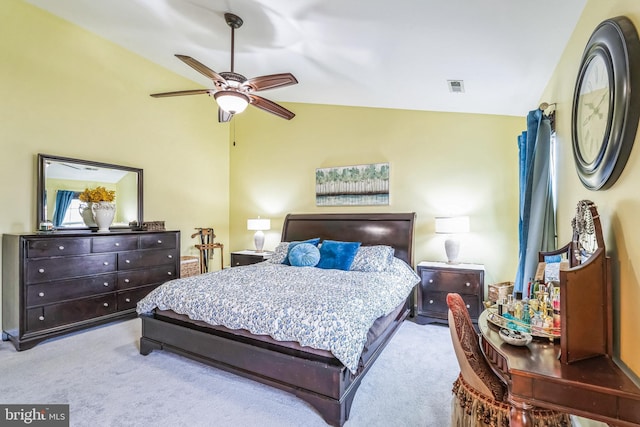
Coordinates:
x,y
258,224
452,224
231,101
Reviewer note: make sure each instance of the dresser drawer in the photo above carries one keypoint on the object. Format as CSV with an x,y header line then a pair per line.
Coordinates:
x,y
138,259
46,269
238,260
114,244
157,241
50,292
434,304
58,247
128,299
136,278
69,312
451,281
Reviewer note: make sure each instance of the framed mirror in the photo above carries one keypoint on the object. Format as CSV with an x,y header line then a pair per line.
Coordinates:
x,y
61,180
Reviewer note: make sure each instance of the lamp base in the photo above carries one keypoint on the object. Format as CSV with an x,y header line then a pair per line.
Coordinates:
x,y
452,249
258,240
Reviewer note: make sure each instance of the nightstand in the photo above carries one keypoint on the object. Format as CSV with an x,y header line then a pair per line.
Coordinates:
x,y
437,279
247,257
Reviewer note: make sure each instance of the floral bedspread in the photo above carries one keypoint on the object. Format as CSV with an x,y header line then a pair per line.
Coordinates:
x,y
324,309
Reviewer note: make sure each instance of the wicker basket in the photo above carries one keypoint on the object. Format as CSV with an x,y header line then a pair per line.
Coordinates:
x,y
500,290
189,266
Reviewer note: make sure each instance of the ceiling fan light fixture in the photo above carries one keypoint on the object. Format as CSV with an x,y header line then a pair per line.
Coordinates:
x,y
231,101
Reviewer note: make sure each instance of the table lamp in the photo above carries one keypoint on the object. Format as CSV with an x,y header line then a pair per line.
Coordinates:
x,y
259,225
451,226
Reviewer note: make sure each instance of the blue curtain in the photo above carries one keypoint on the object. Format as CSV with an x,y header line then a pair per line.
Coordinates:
x,y
537,224
63,201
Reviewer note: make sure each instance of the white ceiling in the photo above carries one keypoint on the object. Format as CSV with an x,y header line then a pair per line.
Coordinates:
x,y
370,53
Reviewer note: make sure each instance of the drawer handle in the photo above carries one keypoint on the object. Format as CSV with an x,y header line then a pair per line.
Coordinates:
x,y
169,256
41,270
468,284
40,317
127,300
106,263
468,306
41,294
127,261
117,243
126,280
106,304
159,242
430,301
430,280
106,284
169,273
61,247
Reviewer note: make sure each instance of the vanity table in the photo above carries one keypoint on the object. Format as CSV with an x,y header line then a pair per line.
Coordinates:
x,y
576,373
594,388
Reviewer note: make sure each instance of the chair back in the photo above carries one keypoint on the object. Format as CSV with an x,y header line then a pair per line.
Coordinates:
x,y
473,366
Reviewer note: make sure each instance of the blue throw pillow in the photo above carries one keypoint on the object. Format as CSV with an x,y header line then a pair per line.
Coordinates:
x,y
292,245
550,259
337,255
304,255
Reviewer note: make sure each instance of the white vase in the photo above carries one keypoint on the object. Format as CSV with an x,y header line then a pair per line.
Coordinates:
x,y
103,213
87,214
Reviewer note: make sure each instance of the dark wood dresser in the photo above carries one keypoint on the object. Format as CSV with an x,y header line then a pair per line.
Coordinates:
x,y
60,282
437,279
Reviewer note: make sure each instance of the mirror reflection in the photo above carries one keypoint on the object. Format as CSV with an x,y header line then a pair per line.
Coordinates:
x,y
62,180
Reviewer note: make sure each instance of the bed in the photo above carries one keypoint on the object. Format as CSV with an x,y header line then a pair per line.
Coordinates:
x,y
314,375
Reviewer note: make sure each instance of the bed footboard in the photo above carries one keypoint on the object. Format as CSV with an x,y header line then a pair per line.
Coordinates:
x,y
328,386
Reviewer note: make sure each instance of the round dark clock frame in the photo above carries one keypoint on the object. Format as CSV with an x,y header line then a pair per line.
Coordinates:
x,y
606,103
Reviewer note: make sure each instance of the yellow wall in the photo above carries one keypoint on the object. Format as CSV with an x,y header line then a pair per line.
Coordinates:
x,y
619,205
440,164
69,93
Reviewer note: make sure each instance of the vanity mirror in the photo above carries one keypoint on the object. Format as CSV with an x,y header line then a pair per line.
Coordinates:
x,y
62,177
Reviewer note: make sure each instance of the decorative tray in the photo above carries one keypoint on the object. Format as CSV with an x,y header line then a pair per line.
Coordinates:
x,y
514,324
515,337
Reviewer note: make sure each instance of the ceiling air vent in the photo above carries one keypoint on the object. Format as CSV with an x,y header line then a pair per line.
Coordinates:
x,y
455,86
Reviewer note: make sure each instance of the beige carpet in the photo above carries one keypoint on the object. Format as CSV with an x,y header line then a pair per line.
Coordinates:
x,y
106,382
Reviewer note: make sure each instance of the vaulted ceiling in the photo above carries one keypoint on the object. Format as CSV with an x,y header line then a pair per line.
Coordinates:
x,y
370,53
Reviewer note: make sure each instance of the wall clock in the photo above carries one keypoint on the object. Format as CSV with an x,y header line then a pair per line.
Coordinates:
x,y
606,103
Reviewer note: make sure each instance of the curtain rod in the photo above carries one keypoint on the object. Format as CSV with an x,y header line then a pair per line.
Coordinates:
x,y
545,106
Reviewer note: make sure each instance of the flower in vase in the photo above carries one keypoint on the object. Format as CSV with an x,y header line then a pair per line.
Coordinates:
x,y
98,194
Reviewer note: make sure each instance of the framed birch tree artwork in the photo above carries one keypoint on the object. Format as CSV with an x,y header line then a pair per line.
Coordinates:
x,y
360,185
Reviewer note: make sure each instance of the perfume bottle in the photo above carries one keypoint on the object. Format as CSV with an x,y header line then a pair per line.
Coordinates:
x,y
518,306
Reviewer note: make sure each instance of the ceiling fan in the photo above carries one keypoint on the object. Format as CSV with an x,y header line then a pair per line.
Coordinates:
x,y
233,91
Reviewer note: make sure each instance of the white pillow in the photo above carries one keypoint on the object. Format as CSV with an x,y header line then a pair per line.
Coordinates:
x,y
280,253
373,258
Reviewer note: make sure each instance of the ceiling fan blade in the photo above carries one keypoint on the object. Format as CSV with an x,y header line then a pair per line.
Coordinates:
x,y
223,116
202,69
271,81
181,92
271,107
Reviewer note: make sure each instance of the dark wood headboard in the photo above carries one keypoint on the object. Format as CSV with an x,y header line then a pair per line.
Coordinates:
x,y
392,229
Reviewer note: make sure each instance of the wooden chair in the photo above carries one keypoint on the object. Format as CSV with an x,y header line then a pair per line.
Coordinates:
x,y
479,396
206,248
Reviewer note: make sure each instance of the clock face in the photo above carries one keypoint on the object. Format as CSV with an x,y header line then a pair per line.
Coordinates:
x,y
593,108
606,103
